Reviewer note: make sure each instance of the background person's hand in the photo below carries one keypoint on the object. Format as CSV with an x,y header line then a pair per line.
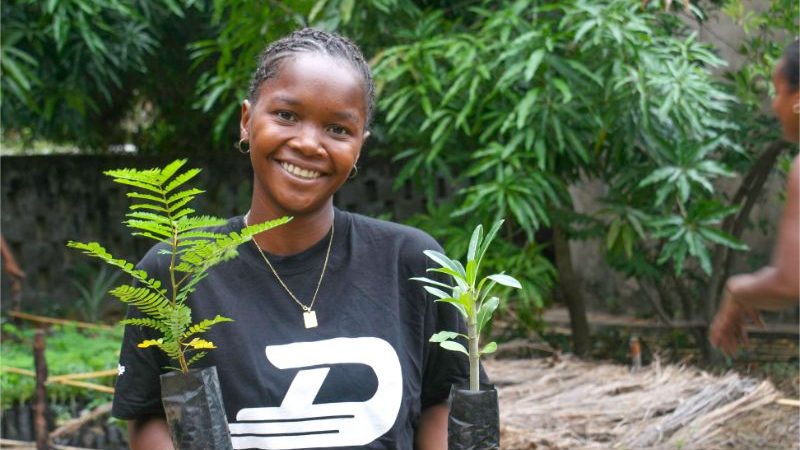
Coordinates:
x,y
728,331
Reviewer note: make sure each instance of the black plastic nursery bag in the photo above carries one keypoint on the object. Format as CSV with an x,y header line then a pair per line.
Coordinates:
x,y
195,413
474,422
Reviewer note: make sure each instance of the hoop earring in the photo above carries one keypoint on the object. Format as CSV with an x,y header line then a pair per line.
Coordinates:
x,y
243,146
353,172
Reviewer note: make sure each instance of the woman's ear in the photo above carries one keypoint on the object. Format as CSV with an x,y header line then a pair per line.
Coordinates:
x,y
366,135
244,123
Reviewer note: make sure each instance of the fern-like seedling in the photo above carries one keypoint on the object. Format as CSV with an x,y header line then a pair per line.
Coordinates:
x,y
159,211
470,295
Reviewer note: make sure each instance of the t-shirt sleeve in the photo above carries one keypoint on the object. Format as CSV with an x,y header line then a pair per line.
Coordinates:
x,y
137,392
442,368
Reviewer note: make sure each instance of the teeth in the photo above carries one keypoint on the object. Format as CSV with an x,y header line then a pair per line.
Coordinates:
x,y
302,173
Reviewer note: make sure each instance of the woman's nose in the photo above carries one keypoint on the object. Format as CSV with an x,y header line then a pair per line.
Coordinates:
x,y
307,141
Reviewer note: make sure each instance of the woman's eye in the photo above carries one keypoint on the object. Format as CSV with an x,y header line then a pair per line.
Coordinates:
x,y
286,115
337,130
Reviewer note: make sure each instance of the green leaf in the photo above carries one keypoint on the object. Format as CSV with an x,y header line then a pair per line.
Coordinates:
x,y
486,310
205,325
491,347
444,336
346,10
720,237
474,243
457,304
566,92
181,179
429,281
489,238
533,63
454,346
505,280
318,7
438,293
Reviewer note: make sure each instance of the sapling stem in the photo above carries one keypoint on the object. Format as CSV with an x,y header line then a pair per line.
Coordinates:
x,y
474,356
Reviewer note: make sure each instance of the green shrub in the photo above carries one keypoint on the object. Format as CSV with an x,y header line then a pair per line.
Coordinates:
x,y
68,350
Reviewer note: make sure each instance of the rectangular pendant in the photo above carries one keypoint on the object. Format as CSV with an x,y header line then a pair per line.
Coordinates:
x,y
310,319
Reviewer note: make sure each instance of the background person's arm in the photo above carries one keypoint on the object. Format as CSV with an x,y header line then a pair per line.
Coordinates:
x,y
773,287
776,286
432,430
151,433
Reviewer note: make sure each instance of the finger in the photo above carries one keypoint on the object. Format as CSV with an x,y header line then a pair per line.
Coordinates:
x,y
755,316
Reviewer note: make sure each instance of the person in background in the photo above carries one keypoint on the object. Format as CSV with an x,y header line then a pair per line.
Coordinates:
x,y
15,273
777,285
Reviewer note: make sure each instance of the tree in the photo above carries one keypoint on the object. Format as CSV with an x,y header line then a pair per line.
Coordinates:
x,y
100,72
530,98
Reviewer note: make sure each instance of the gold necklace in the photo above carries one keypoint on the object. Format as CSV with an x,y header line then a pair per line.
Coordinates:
x,y
309,315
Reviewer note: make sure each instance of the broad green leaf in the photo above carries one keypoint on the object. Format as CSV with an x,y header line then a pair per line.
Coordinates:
x,y
455,346
533,63
486,310
474,243
429,281
457,304
491,347
505,280
445,336
318,7
438,293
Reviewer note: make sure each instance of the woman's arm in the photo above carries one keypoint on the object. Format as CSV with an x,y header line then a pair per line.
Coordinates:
x,y
432,430
150,433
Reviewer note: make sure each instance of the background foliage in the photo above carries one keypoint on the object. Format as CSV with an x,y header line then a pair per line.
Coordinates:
x,y
515,101
68,351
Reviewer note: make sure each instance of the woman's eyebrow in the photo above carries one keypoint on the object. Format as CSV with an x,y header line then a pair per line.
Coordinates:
x,y
288,100
346,115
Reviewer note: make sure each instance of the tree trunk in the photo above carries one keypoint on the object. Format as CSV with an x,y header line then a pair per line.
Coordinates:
x,y
569,284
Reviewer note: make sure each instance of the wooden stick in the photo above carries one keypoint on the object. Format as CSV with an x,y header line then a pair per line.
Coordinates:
x,y
40,404
25,372
73,425
54,321
83,384
20,445
83,376
788,402
68,381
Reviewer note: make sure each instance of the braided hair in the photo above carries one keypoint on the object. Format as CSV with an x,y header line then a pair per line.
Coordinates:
x,y
309,40
791,65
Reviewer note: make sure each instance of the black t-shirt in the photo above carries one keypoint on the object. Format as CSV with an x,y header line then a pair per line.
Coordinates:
x,y
358,380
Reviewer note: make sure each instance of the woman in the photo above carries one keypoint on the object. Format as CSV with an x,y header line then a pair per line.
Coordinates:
x,y
329,345
776,286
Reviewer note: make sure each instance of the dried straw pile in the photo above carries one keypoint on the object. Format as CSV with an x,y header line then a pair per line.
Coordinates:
x,y
571,404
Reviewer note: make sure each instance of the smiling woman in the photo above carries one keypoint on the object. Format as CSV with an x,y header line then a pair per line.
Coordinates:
x,y
329,347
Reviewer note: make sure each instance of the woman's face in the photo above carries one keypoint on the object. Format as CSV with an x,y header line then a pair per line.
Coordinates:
x,y
305,131
785,104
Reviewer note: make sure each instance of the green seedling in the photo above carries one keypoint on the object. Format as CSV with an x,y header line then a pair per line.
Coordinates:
x,y
159,212
470,295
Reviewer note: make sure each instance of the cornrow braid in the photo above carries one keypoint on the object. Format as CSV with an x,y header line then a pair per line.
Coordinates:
x,y
309,40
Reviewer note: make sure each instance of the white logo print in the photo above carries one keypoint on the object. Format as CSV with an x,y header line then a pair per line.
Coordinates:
x,y
298,423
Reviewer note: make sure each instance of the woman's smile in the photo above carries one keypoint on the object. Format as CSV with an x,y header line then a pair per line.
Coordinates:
x,y
299,172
